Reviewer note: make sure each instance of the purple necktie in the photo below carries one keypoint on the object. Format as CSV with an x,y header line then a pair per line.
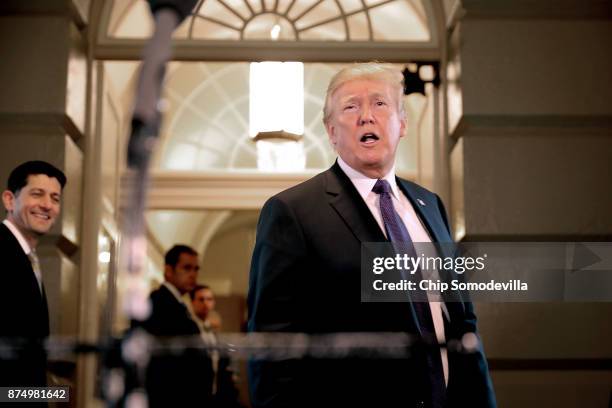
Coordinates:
x,y
402,243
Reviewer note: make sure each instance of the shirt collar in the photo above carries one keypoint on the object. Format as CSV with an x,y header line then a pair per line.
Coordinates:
x,y
173,290
365,184
19,236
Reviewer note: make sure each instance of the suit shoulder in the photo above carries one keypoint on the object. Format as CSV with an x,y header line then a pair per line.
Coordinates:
x,y
423,196
6,236
416,188
162,301
301,192
10,249
161,294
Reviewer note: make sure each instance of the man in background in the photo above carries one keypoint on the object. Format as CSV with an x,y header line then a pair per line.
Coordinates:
x,y
32,200
225,394
176,375
203,303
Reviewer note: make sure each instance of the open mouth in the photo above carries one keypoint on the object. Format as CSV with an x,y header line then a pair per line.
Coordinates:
x,y
369,138
42,216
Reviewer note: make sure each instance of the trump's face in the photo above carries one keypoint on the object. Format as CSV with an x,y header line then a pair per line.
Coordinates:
x,y
365,125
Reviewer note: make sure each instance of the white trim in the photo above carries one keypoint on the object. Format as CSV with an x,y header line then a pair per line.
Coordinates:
x,y
218,190
304,51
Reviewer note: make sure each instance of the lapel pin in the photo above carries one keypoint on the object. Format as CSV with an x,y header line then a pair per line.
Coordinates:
x,y
421,202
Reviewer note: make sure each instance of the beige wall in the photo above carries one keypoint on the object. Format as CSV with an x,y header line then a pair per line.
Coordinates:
x,y
531,120
45,103
227,258
42,117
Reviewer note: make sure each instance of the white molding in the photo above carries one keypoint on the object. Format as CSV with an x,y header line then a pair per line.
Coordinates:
x,y
304,51
519,125
217,190
213,190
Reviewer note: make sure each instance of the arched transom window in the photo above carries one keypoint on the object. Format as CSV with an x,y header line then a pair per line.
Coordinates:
x,y
284,20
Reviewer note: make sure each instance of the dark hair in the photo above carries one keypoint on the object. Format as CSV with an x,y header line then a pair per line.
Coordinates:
x,y
19,176
173,255
195,290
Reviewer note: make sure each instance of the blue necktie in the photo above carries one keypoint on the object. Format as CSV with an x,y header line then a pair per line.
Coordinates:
x,y
398,234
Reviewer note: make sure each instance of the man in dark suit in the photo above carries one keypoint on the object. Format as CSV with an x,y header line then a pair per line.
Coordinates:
x,y
225,394
183,378
305,270
32,201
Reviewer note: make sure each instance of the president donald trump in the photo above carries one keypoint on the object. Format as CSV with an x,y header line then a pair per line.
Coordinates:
x,y
305,270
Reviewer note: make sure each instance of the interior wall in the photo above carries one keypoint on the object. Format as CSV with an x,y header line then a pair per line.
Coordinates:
x,y
227,258
43,77
529,112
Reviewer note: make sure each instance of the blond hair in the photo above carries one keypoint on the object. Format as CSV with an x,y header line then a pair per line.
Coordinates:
x,y
376,71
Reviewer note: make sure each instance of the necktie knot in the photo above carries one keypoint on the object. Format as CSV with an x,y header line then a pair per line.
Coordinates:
x,y
381,187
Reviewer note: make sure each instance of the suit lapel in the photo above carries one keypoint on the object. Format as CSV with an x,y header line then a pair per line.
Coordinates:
x,y
45,314
23,260
179,308
428,211
345,199
22,265
350,206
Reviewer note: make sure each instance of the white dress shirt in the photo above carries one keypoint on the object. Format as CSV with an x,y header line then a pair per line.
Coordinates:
x,y
417,231
210,339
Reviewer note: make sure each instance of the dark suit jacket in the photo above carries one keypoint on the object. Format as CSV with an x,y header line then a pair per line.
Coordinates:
x,y
24,317
227,393
305,277
181,379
